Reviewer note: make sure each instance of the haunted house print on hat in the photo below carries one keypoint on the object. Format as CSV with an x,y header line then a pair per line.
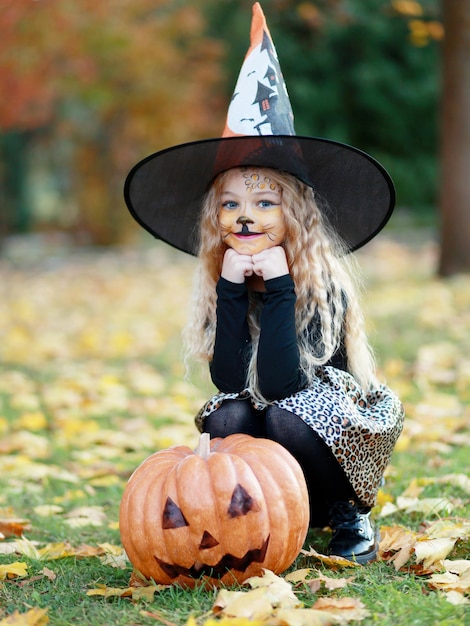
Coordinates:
x,y
260,103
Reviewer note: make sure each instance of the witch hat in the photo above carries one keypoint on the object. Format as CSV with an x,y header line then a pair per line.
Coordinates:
x,y
164,191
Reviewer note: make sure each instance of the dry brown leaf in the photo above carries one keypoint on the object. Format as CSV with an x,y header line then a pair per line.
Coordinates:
x,y
48,573
334,583
431,552
315,583
396,545
13,527
347,609
452,580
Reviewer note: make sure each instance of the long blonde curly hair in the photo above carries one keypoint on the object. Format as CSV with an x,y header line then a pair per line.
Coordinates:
x,y
325,279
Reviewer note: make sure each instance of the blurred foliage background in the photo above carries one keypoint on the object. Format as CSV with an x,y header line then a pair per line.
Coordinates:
x,y
89,88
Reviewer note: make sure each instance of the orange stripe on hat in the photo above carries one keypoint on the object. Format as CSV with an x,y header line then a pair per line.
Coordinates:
x,y
260,103
258,26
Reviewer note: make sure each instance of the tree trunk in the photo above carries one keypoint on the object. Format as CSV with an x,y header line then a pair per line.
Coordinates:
x,y
455,140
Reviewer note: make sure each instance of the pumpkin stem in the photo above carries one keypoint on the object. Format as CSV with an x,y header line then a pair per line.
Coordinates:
x,y
204,446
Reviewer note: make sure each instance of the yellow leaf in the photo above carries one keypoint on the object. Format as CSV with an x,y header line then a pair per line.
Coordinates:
x,y
136,593
13,570
109,592
35,420
299,576
53,551
105,481
254,604
47,510
33,617
145,593
332,561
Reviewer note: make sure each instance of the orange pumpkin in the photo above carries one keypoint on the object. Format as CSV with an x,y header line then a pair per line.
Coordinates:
x,y
219,514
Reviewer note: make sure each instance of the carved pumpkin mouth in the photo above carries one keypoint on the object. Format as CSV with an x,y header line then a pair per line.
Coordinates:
x,y
227,562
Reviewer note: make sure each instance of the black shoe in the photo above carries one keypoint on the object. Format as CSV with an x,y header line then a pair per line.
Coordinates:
x,y
353,537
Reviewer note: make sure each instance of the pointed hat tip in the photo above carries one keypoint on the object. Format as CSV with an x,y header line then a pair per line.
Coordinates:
x,y
258,22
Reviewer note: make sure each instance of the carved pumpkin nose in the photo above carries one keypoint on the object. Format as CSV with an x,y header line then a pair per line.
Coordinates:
x,y
243,219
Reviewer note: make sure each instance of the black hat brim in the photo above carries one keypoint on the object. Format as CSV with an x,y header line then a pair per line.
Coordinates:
x,y
164,191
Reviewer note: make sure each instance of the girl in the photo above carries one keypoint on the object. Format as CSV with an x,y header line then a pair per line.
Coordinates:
x,y
272,216
276,315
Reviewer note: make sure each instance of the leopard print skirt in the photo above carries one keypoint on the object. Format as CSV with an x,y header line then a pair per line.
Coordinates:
x,y
361,429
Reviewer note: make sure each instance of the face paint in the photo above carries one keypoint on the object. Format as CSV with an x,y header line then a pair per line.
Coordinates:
x,y
250,215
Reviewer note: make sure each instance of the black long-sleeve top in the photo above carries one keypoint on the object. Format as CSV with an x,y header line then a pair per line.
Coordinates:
x,y
278,361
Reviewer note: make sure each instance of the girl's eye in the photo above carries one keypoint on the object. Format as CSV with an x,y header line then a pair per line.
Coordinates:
x,y
265,204
230,204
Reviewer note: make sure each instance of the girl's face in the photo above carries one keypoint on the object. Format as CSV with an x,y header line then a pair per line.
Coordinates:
x,y
251,215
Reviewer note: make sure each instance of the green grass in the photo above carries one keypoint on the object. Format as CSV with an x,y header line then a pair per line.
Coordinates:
x,y
85,403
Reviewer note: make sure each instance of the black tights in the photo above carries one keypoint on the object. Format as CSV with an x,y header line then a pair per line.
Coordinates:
x,y
326,480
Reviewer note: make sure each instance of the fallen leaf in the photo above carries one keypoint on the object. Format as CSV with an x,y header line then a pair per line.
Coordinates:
x,y
86,516
458,566
332,561
452,581
251,605
33,617
305,617
431,552
267,593
13,570
347,609
299,575
136,593
456,598
453,528
48,573
48,510
13,527
396,545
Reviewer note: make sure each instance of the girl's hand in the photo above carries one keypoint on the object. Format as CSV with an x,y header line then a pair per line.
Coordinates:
x,y
270,263
236,267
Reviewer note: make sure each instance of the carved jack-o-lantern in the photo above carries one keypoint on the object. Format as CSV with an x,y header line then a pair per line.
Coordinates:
x,y
216,515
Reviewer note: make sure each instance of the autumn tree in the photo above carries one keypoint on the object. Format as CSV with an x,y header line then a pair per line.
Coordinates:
x,y
455,140
91,87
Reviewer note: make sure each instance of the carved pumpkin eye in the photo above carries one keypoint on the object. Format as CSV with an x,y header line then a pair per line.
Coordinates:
x,y
173,516
241,502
